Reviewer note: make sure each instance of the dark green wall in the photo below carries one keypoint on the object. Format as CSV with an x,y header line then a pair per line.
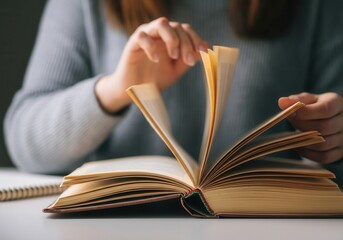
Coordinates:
x,y
19,21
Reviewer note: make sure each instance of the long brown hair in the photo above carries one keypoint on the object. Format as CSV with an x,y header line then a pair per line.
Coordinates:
x,y
261,19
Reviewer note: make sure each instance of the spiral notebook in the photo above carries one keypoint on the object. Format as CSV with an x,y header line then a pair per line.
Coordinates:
x,y
18,185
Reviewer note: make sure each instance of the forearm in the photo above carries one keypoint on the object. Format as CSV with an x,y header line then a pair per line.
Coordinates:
x,y
54,132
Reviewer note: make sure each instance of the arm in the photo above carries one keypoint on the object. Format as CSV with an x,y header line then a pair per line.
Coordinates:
x,y
55,122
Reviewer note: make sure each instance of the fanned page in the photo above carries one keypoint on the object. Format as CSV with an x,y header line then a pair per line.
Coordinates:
x,y
219,66
159,166
253,134
123,179
260,147
148,99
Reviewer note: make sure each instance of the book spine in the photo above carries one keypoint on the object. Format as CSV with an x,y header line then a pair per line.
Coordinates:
x,y
195,204
29,192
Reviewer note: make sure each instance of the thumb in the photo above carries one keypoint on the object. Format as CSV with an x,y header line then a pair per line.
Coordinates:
x,y
285,102
306,98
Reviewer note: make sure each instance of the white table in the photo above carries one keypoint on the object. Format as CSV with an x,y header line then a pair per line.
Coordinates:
x,y
24,219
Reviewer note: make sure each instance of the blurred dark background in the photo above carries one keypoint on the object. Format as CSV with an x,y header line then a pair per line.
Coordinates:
x,y
19,20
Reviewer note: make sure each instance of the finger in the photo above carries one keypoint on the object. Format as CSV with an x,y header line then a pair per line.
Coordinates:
x,y
147,44
330,156
285,102
181,66
331,142
306,98
198,43
160,28
324,126
326,106
187,49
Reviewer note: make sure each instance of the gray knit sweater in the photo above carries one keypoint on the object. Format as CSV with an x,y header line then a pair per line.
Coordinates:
x,y
55,123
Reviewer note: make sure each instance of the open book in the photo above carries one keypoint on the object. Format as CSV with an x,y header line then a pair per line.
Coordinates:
x,y
242,181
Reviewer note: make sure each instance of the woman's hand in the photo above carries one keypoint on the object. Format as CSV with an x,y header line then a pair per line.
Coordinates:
x,y
160,51
324,113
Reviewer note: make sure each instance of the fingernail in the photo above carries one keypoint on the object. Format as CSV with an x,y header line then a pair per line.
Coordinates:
x,y
155,58
175,53
190,59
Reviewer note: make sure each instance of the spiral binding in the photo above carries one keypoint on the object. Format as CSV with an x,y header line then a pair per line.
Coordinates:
x,y
29,192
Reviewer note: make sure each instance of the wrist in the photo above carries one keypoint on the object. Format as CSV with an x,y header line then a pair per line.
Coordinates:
x,y
111,97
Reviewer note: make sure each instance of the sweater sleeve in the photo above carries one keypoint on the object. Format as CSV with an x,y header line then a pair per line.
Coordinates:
x,y
327,60
55,122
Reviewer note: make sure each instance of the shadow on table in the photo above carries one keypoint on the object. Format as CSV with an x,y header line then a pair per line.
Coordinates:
x,y
166,209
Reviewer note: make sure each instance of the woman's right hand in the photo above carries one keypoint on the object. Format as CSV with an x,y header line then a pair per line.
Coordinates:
x,y
160,51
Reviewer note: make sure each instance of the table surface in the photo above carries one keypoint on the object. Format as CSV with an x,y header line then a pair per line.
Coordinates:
x,y
24,219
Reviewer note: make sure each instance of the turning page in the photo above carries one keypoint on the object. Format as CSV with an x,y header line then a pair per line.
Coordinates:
x,y
148,99
225,159
219,65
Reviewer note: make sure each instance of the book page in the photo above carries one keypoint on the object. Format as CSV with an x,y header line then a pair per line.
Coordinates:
x,y
83,200
123,179
148,99
275,186
271,167
160,166
219,66
263,146
268,198
252,135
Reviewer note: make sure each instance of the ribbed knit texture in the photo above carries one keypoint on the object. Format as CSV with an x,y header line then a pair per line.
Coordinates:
x,y
55,123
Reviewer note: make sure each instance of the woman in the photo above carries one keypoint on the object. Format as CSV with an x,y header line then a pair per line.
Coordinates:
x,y
73,107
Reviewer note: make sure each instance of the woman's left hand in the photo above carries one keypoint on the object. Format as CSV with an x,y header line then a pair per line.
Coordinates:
x,y
324,113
